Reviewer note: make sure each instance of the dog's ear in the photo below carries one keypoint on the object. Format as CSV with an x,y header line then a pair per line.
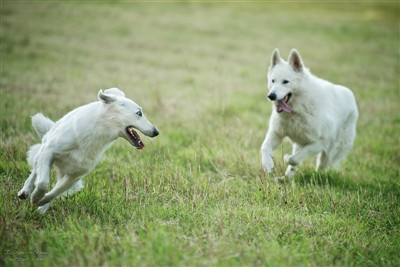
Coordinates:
x,y
295,60
114,91
275,58
106,98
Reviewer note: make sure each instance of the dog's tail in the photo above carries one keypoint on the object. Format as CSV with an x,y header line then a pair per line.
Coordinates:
x,y
42,124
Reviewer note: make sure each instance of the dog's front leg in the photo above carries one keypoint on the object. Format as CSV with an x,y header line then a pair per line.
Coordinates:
x,y
301,153
291,169
271,142
61,186
44,208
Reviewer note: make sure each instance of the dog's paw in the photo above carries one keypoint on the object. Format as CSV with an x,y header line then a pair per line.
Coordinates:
x,y
290,171
37,195
42,209
23,194
267,164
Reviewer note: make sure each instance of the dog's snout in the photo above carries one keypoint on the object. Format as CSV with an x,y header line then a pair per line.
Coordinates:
x,y
272,96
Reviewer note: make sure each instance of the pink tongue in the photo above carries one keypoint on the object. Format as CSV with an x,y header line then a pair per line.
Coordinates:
x,y
283,106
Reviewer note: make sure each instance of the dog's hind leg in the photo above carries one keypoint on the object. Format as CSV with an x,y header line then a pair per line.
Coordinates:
x,y
345,144
340,155
44,163
62,185
29,184
26,190
323,161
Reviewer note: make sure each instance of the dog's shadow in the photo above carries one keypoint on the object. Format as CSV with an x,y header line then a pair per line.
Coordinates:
x,y
340,180
326,178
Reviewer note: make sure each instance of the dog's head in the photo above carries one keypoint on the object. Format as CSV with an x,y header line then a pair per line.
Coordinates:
x,y
126,115
283,79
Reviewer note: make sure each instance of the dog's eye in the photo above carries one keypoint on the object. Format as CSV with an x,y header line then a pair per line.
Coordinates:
x,y
273,81
139,113
285,82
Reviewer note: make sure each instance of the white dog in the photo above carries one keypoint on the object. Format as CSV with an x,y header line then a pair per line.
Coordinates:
x,y
318,117
76,143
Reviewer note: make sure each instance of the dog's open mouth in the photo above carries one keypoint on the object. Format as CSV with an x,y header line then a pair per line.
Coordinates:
x,y
282,105
134,137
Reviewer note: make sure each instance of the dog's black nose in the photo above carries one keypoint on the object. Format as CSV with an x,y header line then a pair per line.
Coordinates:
x,y
155,132
272,96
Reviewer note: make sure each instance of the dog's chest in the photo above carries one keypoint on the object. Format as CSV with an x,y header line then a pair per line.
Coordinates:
x,y
298,128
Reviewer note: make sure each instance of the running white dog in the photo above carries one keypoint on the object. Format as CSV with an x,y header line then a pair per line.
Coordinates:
x,y
318,117
76,143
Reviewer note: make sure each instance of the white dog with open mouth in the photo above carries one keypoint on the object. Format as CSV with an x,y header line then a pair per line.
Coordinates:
x,y
76,143
318,117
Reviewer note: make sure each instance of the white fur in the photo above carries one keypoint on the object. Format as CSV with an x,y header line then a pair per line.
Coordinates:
x,y
322,121
76,143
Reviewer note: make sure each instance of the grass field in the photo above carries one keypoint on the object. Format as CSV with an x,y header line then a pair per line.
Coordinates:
x,y
196,195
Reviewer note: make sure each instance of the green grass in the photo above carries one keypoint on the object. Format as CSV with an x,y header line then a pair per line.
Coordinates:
x,y
196,195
